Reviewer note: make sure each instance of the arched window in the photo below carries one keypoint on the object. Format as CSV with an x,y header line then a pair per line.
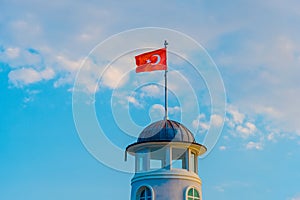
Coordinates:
x,y
193,194
144,193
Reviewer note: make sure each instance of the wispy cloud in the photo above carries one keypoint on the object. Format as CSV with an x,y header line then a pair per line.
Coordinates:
x,y
254,145
201,123
29,96
297,197
152,91
26,76
12,52
246,130
222,148
223,187
239,124
134,101
250,133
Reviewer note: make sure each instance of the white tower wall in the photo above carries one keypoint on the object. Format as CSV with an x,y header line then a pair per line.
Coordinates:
x,y
165,184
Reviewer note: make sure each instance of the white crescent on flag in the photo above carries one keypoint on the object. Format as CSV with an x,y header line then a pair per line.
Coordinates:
x,y
158,59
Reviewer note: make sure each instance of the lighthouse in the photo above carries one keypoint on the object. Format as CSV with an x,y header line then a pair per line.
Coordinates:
x,y
166,153
166,163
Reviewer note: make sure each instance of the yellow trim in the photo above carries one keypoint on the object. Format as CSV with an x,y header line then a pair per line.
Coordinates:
x,y
198,148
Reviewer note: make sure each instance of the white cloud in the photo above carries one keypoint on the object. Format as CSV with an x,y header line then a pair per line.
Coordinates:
x,y
152,91
267,110
254,145
112,78
17,57
26,76
157,112
246,130
174,110
271,137
230,123
68,64
295,197
27,100
195,122
274,134
222,148
116,74
220,188
67,69
201,123
239,123
251,127
12,52
47,74
134,101
216,120
231,184
237,117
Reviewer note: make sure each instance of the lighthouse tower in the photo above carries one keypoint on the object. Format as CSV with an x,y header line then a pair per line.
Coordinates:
x,y
166,163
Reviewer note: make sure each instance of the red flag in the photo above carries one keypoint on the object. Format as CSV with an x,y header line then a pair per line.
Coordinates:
x,y
151,61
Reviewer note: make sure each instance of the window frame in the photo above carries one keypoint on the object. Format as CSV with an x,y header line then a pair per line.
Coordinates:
x,y
189,197
144,188
193,161
182,160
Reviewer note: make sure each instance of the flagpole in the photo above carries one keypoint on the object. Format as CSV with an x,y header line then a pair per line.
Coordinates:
x,y
166,84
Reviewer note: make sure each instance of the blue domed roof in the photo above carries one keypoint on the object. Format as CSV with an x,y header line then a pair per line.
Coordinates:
x,y
166,130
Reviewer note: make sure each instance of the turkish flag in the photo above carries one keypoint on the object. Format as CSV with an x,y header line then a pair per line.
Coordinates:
x,y
151,61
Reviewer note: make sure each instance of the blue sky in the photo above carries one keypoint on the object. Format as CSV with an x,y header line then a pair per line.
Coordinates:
x,y
255,45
